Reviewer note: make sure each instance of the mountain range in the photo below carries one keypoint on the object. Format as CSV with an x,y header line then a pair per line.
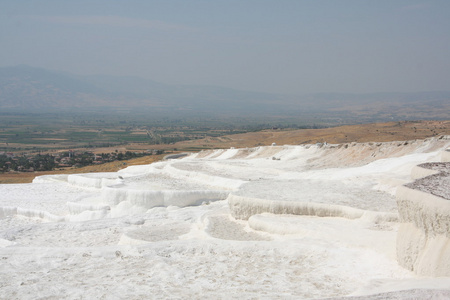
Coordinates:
x,y
27,89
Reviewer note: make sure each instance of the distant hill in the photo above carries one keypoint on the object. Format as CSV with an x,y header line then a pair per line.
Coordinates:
x,y
28,89
31,89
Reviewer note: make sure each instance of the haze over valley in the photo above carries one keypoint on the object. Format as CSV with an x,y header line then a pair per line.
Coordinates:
x,y
25,89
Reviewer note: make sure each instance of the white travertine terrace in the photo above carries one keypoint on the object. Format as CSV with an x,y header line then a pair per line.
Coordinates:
x,y
307,221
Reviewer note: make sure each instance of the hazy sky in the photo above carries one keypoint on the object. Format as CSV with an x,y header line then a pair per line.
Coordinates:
x,y
273,46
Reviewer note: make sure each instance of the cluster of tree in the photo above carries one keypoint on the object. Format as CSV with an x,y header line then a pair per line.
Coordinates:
x,y
129,155
48,162
23,163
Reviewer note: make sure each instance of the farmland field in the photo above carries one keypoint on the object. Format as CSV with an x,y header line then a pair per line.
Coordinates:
x,y
41,132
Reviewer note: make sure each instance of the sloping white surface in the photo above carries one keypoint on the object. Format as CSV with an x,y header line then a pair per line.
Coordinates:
x,y
165,231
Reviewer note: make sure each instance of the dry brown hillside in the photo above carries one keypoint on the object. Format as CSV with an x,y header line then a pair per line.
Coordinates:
x,y
380,132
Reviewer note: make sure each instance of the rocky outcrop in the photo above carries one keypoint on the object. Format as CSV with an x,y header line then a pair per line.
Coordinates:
x,y
423,241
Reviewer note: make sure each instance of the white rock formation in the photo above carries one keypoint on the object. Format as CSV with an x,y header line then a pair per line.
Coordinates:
x,y
423,243
268,222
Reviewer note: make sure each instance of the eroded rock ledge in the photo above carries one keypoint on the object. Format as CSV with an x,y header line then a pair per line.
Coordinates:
x,y
423,241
